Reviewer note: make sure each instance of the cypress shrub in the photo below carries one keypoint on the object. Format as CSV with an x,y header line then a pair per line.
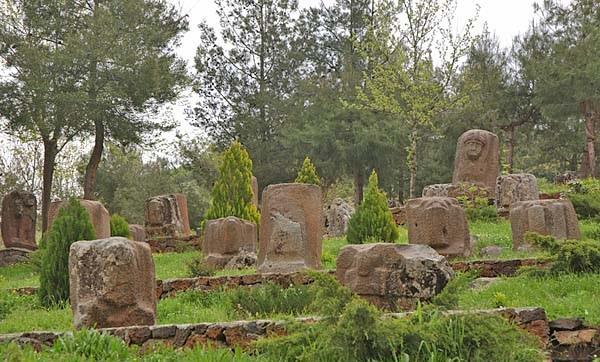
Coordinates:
x,y
308,174
119,226
372,220
72,224
232,193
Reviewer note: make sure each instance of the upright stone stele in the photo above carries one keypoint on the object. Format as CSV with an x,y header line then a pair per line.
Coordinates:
x,y
290,233
514,188
556,218
255,192
167,217
137,232
477,159
393,276
439,222
226,238
19,210
337,216
99,216
111,283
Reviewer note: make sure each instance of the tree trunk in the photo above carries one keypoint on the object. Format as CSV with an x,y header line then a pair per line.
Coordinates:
x,y
89,184
358,185
412,164
510,149
50,152
401,185
589,113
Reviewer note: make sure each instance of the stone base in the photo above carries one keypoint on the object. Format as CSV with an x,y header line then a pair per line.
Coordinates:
x,y
177,245
10,256
269,267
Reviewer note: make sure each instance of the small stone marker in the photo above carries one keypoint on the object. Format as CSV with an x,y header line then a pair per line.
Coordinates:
x,y
291,230
513,188
227,238
137,232
556,218
255,192
439,222
167,217
337,216
393,276
111,283
99,216
19,211
477,159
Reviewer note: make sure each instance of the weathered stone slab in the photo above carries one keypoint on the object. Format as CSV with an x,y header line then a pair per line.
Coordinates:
x,y
137,232
10,256
393,276
439,222
291,228
167,217
477,159
255,192
226,238
546,217
514,188
111,283
337,216
19,211
99,216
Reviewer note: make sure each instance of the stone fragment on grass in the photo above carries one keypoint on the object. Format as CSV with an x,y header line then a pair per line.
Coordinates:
x,y
226,238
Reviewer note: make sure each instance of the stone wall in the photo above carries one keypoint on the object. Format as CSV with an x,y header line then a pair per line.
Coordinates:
x,y
559,341
171,245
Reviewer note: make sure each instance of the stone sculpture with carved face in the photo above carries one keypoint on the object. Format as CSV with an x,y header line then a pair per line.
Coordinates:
x,y
477,159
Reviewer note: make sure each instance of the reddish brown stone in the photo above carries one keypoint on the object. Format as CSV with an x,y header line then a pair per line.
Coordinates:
x,y
538,328
167,217
138,335
291,228
227,237
546,217
255,192
583,336
399,215
514,188
477,159
99,216
439,222
19,211
137,232
111,283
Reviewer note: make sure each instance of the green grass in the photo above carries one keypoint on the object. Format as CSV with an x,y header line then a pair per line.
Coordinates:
x,y
567,295
173,265
19,275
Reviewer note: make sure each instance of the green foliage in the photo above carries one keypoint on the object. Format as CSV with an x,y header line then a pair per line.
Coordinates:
x,y
72,224
91,345
271,298
449,297
232,193
198,268
476,205
308,174
549,187
572,256
119,226
372,219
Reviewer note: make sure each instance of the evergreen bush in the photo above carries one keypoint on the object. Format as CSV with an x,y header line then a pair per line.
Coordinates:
x,y
232,193
72,224
372,219
308,173
119,226
572,256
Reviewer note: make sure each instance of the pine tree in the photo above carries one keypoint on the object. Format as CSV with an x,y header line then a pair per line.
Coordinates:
x,y
72,224
232,193
308,174
119,226
372,219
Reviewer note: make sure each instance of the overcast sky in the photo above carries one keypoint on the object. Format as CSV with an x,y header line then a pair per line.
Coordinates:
x,y
506,18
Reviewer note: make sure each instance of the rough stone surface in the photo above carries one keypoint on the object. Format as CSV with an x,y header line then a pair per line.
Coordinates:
x,y
399,214
496,268
546,217
482,283
477,159
566,324
514,188
337,216
137,232
255,192
19,211
12,256
99,216
174,245
291,228
439,222
393,276
167,217
492,251
460,190
226,238
243,259
437,190
112,283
